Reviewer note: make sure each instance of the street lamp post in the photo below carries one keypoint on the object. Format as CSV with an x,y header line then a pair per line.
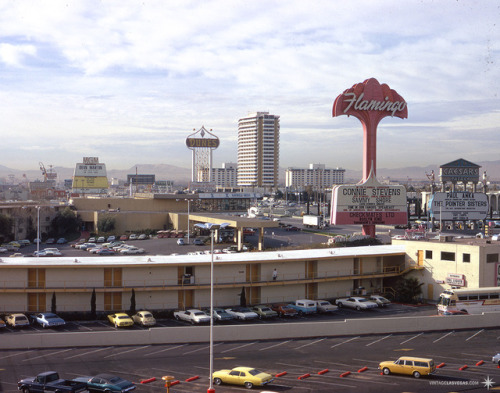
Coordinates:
x,y
188,221
37,231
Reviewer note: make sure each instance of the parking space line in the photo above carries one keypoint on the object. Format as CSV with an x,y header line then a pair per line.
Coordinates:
x,y
311,343
345,342
166,349
130,350
200,349
239,347
275,345
88,352
15,354
418,335
474,335
446,335
48,354
376,341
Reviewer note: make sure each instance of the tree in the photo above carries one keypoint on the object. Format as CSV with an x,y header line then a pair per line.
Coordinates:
x,y
243,298
106,223
408,290
65,223
5,226
93,305
132,302
53,307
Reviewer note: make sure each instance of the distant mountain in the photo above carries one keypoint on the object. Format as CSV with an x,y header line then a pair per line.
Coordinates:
x,y
182,176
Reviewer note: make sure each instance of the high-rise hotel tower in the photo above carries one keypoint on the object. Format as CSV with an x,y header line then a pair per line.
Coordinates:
x,y
258,150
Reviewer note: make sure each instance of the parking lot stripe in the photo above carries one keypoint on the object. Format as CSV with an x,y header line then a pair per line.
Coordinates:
x,y
275,345
48,354
200,349
376,341
345,342
88,352
311,343
474,335
446,335
239,347
130,350
165,349
411,338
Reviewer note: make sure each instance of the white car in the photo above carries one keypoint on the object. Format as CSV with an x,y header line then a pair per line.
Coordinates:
x,y
192,316
47,319
242,313
132,250
181,242
358,303
52,252
325,306
144,318
17,320
380,300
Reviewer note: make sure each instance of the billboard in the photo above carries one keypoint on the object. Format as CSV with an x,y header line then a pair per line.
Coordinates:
x,y
458,206
369,203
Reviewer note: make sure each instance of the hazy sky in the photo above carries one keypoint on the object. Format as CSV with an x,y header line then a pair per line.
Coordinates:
x,y
127,81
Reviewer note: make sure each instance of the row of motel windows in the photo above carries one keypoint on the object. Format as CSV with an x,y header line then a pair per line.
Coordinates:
x,y
451,256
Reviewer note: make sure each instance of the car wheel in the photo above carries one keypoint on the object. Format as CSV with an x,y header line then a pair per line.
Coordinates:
x,y
26,389
358,308
416,374
386,371
217,381
249,385
339,304
116,325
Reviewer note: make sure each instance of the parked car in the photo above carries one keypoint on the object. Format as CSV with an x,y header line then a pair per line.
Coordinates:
x,y
221,315
111,238
92,239
284,310
101,239
120,320
61,240
245,376
305,306
133,236
324,306
35,254
47,319
198,242
144,318
106,383
123,237
131,250
193,316
181,242
17,320
414,366
142,236
24,242
52,252
49,381
2,323
16,255
3,249
358,303
243,313
105,251
380,300
496,359
264,311
50,240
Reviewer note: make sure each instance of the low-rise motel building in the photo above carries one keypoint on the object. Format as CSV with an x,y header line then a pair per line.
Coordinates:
x,y
453,261
183,281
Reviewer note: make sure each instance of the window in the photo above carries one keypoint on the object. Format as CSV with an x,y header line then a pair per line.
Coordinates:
x,y
428,254
447,256
491,258
466,258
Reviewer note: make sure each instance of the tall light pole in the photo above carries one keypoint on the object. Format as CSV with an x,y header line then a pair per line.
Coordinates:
x,y
37,231
188,220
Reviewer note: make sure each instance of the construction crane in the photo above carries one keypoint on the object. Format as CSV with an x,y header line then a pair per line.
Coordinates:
x,y
44,172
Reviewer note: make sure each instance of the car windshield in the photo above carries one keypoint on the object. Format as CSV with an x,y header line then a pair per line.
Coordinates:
x,y
114,379
254,372
244,310
21,318
265,309
122,317
199,313
362,300
147,315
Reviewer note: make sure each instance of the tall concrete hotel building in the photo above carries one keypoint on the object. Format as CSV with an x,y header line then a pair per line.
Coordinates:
x,y
258,150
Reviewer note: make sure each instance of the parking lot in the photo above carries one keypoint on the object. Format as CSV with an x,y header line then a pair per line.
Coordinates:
x,y
322,364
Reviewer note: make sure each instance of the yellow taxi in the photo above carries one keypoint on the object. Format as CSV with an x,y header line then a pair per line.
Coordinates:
x,y
409,366
246,376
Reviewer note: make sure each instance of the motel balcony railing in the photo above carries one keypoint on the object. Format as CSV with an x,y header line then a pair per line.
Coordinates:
x,y
174,283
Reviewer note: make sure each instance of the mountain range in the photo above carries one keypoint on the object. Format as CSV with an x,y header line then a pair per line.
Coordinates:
x,y
181,176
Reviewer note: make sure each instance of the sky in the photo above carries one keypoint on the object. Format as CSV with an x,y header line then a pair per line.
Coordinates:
x,y
128,81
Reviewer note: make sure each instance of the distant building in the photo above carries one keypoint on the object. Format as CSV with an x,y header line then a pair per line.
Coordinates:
x,y
225,176
258,150
316,176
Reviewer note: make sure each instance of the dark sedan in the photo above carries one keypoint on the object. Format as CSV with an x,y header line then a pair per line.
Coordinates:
x,y
106,383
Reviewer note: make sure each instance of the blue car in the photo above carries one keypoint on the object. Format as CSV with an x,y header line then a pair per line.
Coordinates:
x,y
48,320
106,383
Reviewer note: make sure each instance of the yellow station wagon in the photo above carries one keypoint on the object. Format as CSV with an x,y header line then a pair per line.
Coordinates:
x,y
409,366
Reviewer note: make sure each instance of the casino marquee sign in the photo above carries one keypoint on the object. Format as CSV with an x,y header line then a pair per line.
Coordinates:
x,y
459,171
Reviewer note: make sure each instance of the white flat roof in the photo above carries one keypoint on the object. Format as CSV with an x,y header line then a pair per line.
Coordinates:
x,y
243,257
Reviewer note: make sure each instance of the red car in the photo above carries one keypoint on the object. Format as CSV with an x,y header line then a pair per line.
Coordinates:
x,y
284,310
